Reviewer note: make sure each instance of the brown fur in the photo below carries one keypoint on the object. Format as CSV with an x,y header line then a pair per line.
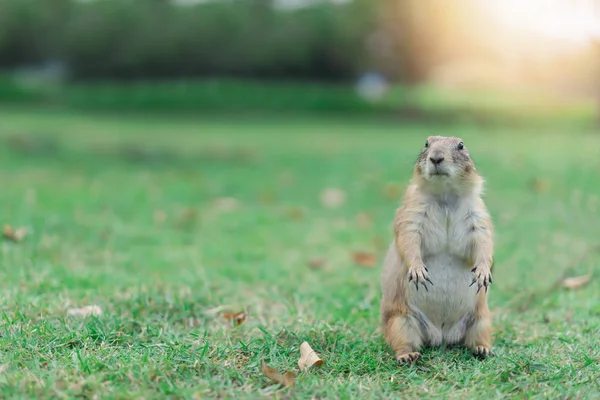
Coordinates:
x,y
423,244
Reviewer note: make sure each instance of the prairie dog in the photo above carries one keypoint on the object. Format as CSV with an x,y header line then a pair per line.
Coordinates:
x,y
437,271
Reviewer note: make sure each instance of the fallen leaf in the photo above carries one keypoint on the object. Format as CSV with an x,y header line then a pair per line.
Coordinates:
x,y
187,219
226,204
333,197
364,259
364,220
84,311
576,282
316,263
286,379
308,357
238,318
160,217
217,310
295,213
268,198
227,311
539,185
16,235
75,386
392,190
380,242
568,315
546,319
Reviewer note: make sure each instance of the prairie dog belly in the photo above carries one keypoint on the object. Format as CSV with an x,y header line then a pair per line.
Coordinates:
x,y
446,308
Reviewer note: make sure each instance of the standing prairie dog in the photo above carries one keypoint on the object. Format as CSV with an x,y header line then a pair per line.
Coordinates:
x,y
437,271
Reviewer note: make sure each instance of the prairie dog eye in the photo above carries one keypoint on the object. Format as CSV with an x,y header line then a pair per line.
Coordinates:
x,y
426,143
461,146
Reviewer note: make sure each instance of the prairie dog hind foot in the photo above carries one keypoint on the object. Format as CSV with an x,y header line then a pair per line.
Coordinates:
x,y
437,273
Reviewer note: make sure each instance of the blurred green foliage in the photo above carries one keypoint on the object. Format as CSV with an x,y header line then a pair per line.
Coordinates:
x,y
236,97
126,39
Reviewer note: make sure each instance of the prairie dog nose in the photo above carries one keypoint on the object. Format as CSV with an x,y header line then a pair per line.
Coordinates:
x,y
436,159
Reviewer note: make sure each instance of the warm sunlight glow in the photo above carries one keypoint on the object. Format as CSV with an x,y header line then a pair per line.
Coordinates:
x,y
574,21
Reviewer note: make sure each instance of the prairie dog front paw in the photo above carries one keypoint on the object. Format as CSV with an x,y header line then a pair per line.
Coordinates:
x,y
419,274
409,358
482,276
483,352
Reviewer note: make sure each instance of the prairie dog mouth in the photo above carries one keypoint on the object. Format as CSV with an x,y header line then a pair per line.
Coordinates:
x,y
438,172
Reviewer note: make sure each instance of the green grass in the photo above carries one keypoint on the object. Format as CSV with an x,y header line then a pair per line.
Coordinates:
x,y
94,191
523,107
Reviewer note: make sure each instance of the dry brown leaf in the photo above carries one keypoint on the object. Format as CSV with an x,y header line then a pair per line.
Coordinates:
x,y
546,319
238,318
84,311
226,204
333,197
364,259
316,263
268,198
187,218
214,311
160,217
539,185
392,190
295,213
380,242
568,316
576,282
16,235
308,357
364,220
286,379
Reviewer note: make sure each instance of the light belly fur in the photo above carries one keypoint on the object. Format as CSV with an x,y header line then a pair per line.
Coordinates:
x,y
445,310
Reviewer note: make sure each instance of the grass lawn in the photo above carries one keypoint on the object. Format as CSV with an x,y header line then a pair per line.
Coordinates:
x,y
134,214
523,106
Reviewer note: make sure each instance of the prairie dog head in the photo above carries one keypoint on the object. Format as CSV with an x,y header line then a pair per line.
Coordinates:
x,y
445,165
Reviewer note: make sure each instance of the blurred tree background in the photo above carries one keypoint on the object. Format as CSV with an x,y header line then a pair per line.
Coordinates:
x,y
385,44
132,39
